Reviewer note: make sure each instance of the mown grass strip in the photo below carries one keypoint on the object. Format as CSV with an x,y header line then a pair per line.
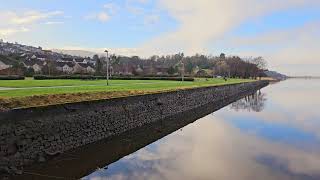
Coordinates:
x,y
21,98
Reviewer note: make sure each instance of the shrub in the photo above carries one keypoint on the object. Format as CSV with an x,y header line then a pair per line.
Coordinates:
x,y
90,77
11,77
83,77
152,78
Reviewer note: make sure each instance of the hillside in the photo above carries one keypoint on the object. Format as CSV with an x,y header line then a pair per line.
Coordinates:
x,y
81,53
275,75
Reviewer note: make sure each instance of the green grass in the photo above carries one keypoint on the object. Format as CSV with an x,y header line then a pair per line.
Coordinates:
x,y
81,86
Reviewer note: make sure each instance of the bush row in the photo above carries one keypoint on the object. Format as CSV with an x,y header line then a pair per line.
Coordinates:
x,y
89,77
11,77
82,77
152,78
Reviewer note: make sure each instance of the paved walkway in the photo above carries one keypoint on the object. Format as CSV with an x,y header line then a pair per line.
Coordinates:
x,y
71,86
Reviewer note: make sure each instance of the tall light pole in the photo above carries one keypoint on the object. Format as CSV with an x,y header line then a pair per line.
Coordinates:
x,y
182,64
182,71
107,66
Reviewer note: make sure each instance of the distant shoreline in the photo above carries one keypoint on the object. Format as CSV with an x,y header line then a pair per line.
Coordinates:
x,y
304,77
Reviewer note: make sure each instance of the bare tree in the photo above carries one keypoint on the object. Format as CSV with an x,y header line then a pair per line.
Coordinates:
x,y
260,62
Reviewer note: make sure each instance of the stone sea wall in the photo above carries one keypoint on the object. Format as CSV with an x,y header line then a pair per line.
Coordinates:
x,y
33,135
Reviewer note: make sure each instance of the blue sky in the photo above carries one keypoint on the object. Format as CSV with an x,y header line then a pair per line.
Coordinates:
x,y
125,27
272,29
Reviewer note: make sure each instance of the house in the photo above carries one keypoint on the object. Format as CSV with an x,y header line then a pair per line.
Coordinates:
x,y
90,69
37,68
65,59
90,61
35,64
78,68
86,68
42,57
59,66
4,66
79,60
65,67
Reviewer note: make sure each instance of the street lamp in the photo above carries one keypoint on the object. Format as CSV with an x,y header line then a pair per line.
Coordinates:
x,y
182,71
106,51
182,68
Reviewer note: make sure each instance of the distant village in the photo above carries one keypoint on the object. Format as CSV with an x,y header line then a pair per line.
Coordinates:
x,y
35,60
18,59
21,59
38,61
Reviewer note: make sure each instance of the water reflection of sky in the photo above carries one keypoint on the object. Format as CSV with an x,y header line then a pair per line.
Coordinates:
x,y
278,139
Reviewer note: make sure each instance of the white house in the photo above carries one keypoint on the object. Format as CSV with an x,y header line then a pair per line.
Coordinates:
x,y
33,57
35,64
67,69
4,66
77,68
83,68
36,68
90,70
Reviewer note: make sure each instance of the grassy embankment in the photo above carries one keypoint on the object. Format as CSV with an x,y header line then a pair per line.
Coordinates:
x,y
29,92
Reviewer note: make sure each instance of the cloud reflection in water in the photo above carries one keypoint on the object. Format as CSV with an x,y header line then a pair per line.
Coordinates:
x,y
218,147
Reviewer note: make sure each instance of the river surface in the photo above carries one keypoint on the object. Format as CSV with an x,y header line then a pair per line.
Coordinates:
x,y
271,135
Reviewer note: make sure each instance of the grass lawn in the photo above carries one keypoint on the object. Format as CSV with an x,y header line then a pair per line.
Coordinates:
x,y
29,92
30,87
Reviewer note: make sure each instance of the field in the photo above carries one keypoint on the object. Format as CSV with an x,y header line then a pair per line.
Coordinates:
x,y
29,92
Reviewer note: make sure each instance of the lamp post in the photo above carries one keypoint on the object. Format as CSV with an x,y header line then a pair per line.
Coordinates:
x,y
182,64
182,71
107,66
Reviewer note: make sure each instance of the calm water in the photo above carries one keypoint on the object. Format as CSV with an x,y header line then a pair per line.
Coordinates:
x,y
274,134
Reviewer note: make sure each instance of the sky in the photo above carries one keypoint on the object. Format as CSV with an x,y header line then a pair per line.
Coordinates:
x,y
286,33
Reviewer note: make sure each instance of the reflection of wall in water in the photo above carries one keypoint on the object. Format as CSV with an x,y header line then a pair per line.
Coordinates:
x,y
254,102
44,132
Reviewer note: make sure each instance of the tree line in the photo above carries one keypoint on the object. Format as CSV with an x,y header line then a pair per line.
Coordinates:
x,y
225,66
174,65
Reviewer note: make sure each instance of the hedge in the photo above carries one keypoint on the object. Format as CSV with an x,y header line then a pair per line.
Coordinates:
x,y
152,78
12,77
82,77
88,77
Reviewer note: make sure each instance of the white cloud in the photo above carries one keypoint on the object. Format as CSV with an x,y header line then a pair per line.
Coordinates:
x,y
151,19
202,23
137,1
54,22
134,7
13,22
294,51
10,31
205,21
102,17
111,8
27,17
135,10
214,149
